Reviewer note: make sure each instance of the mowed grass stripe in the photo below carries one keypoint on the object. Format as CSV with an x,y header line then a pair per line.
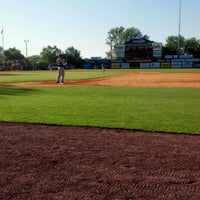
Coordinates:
x,y
174,110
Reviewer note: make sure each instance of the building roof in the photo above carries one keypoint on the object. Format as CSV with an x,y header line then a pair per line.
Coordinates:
x,y
138,42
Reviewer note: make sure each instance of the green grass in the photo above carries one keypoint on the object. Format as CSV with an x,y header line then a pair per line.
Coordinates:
x,y
27,76
175,110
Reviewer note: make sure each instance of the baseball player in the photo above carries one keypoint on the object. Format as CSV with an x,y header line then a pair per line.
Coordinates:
x,y
61,69
103,67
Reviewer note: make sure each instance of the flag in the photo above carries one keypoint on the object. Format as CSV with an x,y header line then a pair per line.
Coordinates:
x,y
2,31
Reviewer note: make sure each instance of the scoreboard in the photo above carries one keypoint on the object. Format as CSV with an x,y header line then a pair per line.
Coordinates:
x,y
138,53
139,50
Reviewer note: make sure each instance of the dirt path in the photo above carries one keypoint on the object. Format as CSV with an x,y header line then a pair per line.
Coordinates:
x,y
57,162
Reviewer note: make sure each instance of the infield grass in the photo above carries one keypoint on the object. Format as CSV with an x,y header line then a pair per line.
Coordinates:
x,y
175,110
31,76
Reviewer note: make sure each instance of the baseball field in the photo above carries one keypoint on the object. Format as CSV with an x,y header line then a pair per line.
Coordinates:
x,y
122,134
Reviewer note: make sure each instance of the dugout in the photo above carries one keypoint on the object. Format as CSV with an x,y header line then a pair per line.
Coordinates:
x,y
96,62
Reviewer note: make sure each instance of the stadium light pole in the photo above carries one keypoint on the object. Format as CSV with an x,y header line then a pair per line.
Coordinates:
x,y
3,47
111,51
179,29
26,41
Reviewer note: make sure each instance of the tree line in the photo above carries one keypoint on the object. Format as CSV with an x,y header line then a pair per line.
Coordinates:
x,y
115,36
47,57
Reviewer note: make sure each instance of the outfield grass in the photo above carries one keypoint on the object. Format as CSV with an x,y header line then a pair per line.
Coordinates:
x,y
175,110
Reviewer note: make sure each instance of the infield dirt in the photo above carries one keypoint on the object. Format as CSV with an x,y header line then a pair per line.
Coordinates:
x,y
131,79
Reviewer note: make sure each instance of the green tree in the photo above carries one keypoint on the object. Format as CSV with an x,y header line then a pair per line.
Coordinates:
x,y
113,39
73,57
48,54
32,61
132,33
192,46
13,54
1,55
171,46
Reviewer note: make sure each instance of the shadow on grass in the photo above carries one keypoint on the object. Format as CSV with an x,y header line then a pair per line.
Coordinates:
x,y
8,90
10,74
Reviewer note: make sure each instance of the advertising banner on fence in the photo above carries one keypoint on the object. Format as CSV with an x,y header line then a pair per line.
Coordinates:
x,y
115,65
154,65
125,65
165,65
196,64
144,65
187,64
135,65
176,64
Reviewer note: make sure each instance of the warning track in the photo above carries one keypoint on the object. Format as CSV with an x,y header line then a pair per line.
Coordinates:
x,y
60,162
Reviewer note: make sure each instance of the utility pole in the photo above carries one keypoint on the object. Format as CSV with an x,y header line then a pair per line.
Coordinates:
x,y
26,41
111,51
3,48
179,29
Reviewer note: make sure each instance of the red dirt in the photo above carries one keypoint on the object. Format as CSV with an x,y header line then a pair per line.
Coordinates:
x,y
59,162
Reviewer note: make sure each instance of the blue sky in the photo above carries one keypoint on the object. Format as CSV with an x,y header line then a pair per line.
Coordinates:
x,y
84,24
